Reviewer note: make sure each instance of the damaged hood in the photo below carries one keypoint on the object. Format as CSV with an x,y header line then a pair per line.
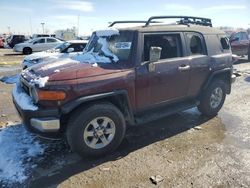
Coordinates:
x,y
96,60
41,55
67,69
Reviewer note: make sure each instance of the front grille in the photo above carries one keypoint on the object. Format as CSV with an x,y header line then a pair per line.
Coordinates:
x,y
25,85
26,89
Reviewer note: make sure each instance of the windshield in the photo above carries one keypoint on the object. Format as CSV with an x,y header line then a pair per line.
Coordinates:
x,y
115,47
62,46
31,40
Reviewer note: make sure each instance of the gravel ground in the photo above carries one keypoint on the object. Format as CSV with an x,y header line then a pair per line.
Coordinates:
x,y
185,149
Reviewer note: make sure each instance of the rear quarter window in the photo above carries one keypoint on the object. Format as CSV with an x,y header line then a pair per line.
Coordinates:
x,y
224,43
214,46
195,44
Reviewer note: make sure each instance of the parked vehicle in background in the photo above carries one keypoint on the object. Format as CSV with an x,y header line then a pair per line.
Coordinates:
x,y
240,44
126,77
42,35
37,45
63,50
15,39
2,42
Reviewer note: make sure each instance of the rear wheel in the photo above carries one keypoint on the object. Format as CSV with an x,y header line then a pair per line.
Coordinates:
x,y
27,51
96,131
213,98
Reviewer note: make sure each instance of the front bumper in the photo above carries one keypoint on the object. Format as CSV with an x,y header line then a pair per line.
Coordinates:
x,y
43,122
17,49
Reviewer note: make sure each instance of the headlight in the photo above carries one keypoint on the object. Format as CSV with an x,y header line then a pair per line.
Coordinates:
x,y
38,95
34,94
51,95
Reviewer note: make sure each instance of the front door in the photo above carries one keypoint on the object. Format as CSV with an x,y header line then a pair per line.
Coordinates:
x,y
240,43
170,79
38,45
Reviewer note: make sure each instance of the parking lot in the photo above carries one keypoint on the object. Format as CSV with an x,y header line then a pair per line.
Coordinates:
x,y
185,149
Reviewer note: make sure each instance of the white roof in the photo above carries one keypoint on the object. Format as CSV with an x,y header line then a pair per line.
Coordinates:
x,y
77,41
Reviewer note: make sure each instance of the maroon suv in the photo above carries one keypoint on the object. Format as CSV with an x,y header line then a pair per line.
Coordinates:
x,y
240,43
126,77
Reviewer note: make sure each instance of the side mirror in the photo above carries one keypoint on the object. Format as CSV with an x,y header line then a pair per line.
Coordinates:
x,y
154,56
70,50
34,42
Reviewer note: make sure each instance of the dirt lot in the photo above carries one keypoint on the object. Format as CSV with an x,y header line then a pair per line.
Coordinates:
x,y
185,149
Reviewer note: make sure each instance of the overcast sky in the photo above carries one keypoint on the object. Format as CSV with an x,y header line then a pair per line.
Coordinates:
x,y
25,16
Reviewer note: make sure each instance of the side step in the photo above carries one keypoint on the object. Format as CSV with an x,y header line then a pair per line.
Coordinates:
x,y
164,111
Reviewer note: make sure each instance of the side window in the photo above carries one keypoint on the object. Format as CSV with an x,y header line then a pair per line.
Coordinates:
x,y
244,36
195,44
224,43
77,47
170,44
49,40
238,35
40,41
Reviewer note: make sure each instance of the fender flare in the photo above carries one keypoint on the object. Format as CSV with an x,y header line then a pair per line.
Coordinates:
x,y
216,73
70,106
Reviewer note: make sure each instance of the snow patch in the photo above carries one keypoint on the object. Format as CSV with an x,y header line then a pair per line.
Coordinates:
x,y
22,99
57,70
94,57
94,65
105,49
40,81
60,62
107,32
10,79
36,56
16,146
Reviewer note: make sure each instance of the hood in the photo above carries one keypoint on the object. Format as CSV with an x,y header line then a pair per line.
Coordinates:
x,y
67,69
40,55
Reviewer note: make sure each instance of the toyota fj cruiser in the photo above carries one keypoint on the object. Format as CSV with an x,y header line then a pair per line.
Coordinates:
x,y
126,77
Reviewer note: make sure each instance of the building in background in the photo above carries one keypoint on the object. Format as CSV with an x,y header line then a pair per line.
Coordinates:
x,y
68,34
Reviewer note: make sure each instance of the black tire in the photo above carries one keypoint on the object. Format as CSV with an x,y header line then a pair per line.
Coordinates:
x,y
82,118
27,51
205,106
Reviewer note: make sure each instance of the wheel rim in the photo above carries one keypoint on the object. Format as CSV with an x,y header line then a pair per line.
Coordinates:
x,y
216,97
99,132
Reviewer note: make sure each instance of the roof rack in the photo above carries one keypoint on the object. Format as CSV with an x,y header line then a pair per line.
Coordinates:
x,y
184,20
130,21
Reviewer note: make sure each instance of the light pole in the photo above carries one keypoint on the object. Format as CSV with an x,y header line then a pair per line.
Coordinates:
x,y
43,26
8,29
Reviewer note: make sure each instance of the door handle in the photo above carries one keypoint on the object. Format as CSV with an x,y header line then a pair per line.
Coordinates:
x,y
184,68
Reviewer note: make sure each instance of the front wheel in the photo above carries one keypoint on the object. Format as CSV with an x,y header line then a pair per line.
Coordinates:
x,y
96,131
213,98
27,51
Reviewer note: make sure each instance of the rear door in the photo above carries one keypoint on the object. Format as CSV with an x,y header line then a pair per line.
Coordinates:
x,y
198,61
170,79
244,43
240,43
51,43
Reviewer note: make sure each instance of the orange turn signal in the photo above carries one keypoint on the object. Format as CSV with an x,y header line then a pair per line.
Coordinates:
x,y
51,95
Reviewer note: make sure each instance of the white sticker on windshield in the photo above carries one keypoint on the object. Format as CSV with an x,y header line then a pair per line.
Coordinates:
x,y
123,45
